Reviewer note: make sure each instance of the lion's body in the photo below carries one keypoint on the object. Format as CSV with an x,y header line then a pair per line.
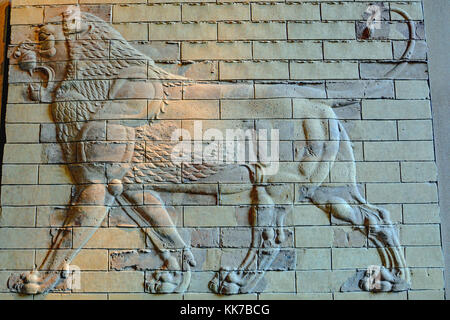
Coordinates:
x,y
110,144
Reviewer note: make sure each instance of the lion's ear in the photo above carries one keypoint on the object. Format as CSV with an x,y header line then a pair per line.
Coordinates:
x,y
73,22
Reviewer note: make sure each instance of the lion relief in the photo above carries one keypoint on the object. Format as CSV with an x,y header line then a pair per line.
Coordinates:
x,y
120,154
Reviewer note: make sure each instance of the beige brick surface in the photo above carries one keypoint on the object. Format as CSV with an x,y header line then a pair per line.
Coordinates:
x,y
17,217
292,66
324,70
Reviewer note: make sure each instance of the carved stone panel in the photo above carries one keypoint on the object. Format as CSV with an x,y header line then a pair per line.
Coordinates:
x,y
189,164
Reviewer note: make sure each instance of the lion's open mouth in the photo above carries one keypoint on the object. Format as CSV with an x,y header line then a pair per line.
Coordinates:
x,y
41,93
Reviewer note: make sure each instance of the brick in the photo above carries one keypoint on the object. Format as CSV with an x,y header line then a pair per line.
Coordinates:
x,y
349,237
377,172
288,11
112,1
312,109
321,281
313,237
216,12
293,296
402,193
43,2
297,172
17,259
216,50
358,50
17,133
414,10
311,259
309,215
324,70
118,238
413,235
211,91
146,13
73,296
124,281
370,296
199,281
192,109
426,295
17,216
206,70
412,89
424,257
22,153
420,53
290,90
371,130
396,109
252,31
371,70
427,279
18,93
212,296
415,130
287,50
250,109
360,89
343,258
294,129
221,125
280,194
27,15
26,113
54,174
279,281
13,296
25,238
86,259
132,31
419,171
19,174
321,30
144,296
207,216
421,213
36,195
343,11
397,151
183,31
158,51
104,11
206,237
254,70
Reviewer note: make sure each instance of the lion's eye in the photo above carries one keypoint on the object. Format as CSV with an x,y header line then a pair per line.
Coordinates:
x,y
17,54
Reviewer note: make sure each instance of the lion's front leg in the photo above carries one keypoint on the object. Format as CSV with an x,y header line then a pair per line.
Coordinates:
x,y
84,217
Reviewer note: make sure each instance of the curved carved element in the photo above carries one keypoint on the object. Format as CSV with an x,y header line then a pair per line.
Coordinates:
x,y
409,51
110,172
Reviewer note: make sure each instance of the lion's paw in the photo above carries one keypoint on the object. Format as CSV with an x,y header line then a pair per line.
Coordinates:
x,y
227,283
163,282
382,280
26,283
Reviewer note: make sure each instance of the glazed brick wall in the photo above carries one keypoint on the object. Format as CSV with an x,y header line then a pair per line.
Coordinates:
x,y
271,51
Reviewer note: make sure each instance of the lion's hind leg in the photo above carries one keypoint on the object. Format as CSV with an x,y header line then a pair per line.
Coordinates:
x,y
161,231
347,204
267,235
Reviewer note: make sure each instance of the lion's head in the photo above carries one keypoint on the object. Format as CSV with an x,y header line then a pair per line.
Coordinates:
x,y
71,49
